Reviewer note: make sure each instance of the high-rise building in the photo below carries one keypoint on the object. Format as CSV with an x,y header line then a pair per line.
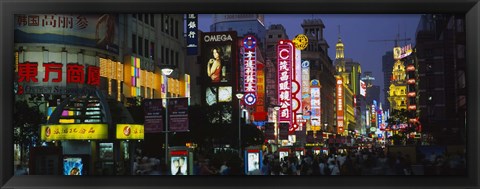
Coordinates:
x,y
397,95
275,33
387,65
243,24
321,69
345,112
373,93
440,45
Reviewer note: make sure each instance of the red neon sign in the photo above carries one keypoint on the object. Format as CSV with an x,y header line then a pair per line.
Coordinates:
x,y
285,58
28,72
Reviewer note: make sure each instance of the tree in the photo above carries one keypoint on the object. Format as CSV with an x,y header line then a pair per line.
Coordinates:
x,y
26,124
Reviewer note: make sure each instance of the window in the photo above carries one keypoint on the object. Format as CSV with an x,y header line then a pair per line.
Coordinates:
x,y
176,58
152,20
140,17
140,46
147,18
270,36
176,29
167,60
152,50
161,22
172,56
134,43
279,35
162,54
166,24
146,48
171,27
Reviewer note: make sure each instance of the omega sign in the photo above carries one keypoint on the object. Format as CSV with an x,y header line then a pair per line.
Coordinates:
x,y
217,38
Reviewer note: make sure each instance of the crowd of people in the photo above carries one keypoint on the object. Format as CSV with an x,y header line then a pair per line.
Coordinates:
x,y
356,162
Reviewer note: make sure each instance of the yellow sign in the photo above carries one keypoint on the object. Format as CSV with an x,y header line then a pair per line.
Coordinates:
x,y
74,132
130,131
300,41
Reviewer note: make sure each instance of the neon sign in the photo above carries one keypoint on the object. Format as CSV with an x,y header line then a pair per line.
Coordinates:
x,y
285,58
250,70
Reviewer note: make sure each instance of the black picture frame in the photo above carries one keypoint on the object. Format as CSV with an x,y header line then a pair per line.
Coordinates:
x,y
8,8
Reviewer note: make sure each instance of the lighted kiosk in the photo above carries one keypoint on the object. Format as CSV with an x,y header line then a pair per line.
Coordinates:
x,y
253,161
283,153
299,152
181,161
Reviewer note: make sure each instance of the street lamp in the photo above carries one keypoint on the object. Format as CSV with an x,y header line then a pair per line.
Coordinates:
x,y
325,128
277,108
166,71
239,96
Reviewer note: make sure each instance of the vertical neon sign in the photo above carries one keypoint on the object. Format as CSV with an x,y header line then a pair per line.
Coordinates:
x,y
250,70
340,119
285,58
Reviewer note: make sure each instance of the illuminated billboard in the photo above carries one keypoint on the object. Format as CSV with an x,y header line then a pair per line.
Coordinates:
x,y
315,102
88,30
285,58
340,105
306,107
74,132
178,162
72,166
402,52
363,88
130,131
218,56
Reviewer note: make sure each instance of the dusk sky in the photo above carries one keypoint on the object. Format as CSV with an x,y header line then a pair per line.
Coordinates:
x,y
355,30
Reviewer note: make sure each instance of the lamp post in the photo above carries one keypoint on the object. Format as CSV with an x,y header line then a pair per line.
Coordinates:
x,y
239,97
325,128
166,71
277,108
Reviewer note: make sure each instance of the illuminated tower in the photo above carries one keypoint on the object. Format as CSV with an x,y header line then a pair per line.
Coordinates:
x,y
344,93
398,87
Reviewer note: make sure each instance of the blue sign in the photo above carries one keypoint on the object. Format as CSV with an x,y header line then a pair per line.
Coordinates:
x,y
250,99
192,34
249,42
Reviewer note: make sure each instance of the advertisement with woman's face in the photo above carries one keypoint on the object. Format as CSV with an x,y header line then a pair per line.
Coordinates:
x,y
283,155
253,161
218,56
178,165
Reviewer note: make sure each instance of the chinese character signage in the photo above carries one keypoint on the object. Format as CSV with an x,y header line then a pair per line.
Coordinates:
x,y
296,89
315,103
306,107
402,52
340,105
192,34
250,70
285,58
130,131
74,132
75,73
178,114
153,115
92,30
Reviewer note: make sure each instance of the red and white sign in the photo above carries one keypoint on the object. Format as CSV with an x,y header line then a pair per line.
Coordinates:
x,y
340,105
250,70
28,72
363,88
285,58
